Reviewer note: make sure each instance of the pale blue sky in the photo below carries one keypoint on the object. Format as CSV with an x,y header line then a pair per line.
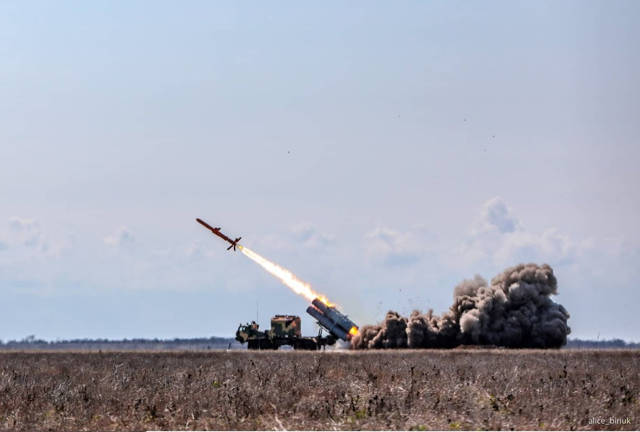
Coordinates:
x,y
381,151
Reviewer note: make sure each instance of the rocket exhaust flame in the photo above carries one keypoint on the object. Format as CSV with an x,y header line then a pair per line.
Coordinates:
x,y
286,277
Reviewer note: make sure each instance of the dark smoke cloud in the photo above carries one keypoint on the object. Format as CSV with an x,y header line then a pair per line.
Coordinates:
x,y
514,311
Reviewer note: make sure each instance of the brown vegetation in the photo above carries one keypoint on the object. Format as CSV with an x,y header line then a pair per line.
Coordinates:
x,y
457,389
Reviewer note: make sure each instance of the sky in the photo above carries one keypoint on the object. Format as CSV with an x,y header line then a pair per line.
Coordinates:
x,y
382,152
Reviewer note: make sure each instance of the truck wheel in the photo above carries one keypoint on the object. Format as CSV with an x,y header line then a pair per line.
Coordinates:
x,y
265,344
309,345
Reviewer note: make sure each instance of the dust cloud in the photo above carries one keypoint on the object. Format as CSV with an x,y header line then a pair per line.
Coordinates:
x,y
514,311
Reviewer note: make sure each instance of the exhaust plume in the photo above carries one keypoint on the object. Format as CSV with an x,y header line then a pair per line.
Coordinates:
x,y
514,311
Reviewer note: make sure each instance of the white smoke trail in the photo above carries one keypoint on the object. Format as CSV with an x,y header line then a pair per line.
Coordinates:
x,y
286,277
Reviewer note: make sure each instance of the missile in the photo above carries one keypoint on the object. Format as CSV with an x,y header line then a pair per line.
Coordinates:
x,y
332,320
217,232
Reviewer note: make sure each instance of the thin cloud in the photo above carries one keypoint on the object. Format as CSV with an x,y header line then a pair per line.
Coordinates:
x,y
27,233
310,236
499,238
496,215
121,238
392,247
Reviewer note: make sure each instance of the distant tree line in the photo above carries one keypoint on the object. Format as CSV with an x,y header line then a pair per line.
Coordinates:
x,y
31,342
607,344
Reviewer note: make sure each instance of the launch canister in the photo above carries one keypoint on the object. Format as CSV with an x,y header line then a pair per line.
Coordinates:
x,y
325,322
333,320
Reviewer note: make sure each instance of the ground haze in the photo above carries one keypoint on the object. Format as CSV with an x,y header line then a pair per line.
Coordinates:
x,y
429,389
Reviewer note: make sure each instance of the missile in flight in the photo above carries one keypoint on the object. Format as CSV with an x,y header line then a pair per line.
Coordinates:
x,y
217,232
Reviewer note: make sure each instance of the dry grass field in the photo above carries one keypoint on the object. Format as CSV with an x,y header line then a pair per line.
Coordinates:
x,y
455,389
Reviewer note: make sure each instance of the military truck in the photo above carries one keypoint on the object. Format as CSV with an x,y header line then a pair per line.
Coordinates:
x,y
285,330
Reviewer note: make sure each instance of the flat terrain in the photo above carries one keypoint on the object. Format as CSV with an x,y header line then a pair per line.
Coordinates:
x,y
430,389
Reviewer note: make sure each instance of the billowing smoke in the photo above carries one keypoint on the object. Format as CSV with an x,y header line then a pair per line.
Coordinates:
x,y
514,311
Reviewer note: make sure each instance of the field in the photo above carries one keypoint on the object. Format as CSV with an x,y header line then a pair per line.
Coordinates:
x,y
455,389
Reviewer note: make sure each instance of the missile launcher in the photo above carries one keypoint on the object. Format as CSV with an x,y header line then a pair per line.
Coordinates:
x,y
285,330
334,321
